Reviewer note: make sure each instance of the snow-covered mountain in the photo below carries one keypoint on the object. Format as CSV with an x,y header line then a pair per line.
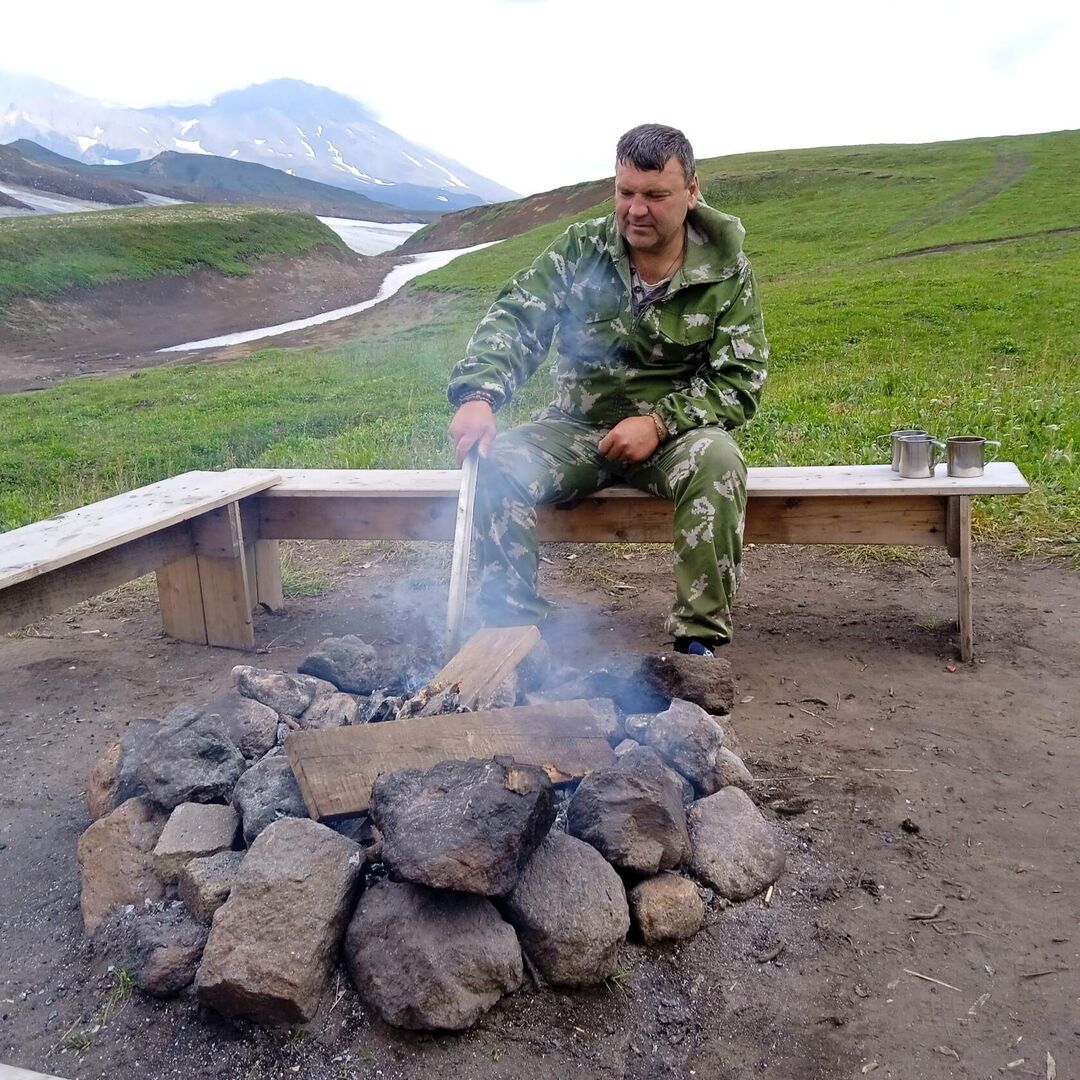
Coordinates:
x,y
290,125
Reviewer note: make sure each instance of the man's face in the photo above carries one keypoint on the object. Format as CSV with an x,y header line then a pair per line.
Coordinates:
x,y
650,207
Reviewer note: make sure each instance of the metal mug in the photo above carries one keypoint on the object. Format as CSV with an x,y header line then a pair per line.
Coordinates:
x,y
964,454
895,437
918,456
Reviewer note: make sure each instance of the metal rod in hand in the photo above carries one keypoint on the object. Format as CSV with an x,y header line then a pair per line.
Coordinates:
x,y
459,566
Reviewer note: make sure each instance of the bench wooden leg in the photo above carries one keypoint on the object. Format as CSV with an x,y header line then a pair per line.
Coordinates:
x,y
206,598
223,576
958,530
180,597
268,587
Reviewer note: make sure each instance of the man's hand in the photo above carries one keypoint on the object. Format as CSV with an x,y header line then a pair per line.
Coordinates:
x,y
473,425
630,441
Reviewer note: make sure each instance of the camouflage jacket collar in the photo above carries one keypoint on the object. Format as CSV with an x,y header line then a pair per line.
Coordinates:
x,y
713,246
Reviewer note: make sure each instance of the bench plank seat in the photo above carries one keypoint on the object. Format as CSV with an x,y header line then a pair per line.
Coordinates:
x,y
78,534
212,536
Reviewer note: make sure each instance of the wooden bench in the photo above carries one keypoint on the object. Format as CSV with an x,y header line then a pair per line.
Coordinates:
x,y
211,569
217,558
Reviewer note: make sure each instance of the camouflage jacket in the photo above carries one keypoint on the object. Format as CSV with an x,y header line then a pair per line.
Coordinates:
x,y
696,357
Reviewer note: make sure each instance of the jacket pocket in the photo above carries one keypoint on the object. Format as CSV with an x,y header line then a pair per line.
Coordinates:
x,y
689,329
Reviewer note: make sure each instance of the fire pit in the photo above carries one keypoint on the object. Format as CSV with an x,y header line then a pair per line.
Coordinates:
x,y
499,821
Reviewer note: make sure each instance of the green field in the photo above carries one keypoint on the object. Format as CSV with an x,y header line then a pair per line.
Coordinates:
x,y
972,340
48,254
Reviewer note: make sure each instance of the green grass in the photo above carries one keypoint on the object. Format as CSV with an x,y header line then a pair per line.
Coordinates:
x,y
46,255
982,340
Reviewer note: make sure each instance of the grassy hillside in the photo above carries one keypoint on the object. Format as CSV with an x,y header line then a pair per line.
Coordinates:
x,y
981,337
45,255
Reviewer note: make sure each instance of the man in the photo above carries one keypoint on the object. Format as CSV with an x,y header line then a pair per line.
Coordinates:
x,y
661,353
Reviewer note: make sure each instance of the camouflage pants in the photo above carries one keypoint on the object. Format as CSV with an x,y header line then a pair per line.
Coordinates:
x,y
554,459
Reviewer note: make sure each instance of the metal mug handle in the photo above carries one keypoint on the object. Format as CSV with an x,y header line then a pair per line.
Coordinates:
x,y
993,442
935,459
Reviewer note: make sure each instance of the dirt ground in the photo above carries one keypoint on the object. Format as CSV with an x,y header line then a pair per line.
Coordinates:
x,y
117,327
924,786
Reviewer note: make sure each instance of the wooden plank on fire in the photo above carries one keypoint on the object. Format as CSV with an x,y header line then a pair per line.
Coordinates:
x,y
337,767
482,665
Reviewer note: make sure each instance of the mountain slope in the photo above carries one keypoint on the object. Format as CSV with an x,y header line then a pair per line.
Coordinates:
x,y
286,124
20,171
205,178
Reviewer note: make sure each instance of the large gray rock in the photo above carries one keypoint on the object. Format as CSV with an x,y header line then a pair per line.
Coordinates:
x,y
191,763
267,792
570,912
690,741
704,680
160,949
275,941
636,822
462,825
116,860
287,694
248,723
348,662
666,908
732,768
456,959
646,761
733,848
330,711
192,831
204,884
132,742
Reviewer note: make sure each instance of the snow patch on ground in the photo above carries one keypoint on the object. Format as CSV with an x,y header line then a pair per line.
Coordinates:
x,y
41,203
392,283
187,125
85,142
418,164
371,237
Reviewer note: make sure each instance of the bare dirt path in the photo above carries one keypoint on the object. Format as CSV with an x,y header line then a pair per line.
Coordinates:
x,y
920,786
117,327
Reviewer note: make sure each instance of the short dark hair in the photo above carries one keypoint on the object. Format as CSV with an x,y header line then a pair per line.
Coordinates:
x,y
649,147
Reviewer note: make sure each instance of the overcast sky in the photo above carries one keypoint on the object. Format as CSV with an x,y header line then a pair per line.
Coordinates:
x,y
534,93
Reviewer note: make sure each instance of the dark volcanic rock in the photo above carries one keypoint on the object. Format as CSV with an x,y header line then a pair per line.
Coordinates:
x,y
267,792
463,825
132,741
456,959
116,859
734,850
704,680
161,949
275,941
690,741
330,711
636,822
646,761
279,691
570,912
192,762
348,662
248,723
666,908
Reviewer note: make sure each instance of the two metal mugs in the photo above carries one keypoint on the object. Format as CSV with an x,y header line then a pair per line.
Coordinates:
x,y
915,453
